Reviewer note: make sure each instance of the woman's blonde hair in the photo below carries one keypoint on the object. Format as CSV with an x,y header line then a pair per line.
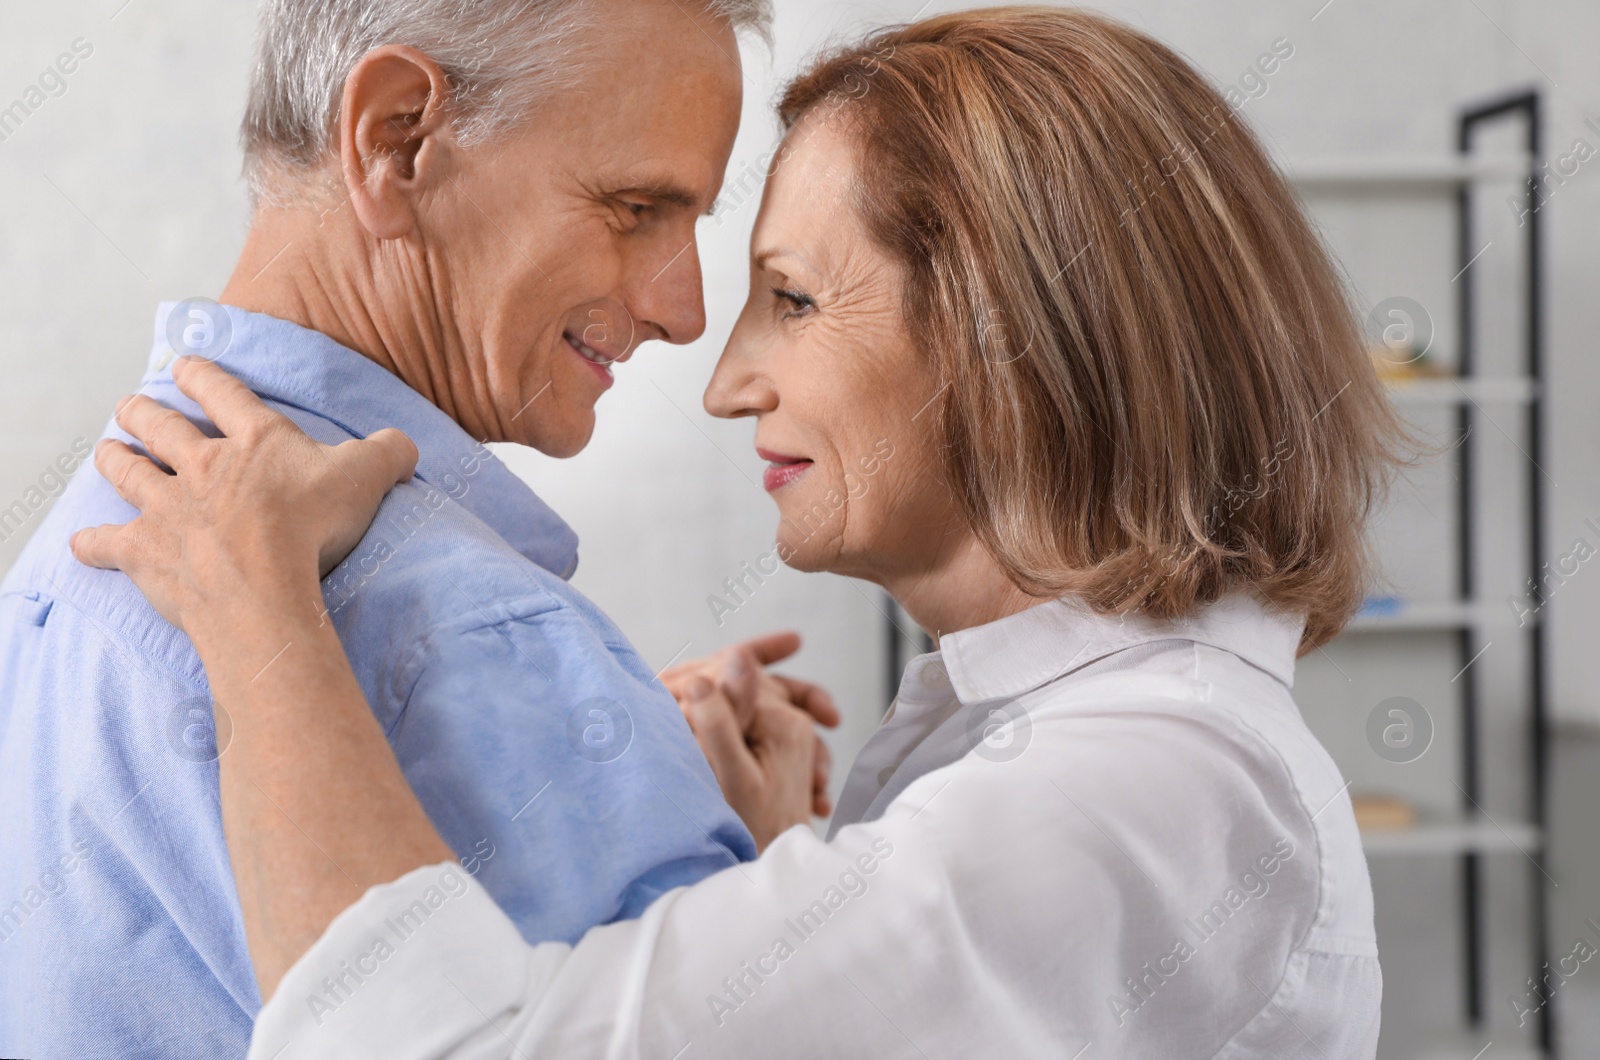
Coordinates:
x,y
1157,390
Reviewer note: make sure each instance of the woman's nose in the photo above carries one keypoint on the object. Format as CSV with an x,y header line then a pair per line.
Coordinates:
x,y
738,387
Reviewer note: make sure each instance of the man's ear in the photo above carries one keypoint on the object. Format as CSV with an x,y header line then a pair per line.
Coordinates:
x,y
394,136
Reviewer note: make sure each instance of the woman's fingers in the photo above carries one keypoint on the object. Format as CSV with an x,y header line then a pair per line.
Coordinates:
x,y
227,402
721,736
822,765
767,771
375,464
813,699
134,476
785,743
392,455
380,461
101,546
263,489
773,647
170,437
132,550
737,676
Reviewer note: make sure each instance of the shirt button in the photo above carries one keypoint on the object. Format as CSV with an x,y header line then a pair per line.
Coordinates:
x,y
933,676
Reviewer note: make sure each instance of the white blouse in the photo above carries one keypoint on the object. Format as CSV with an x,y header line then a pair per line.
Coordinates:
x,y
1073,837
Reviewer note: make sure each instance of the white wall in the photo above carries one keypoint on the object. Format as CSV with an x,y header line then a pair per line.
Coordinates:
x,y
124,191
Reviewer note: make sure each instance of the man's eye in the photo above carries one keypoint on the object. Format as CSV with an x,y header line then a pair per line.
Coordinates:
x,y
799,302
631,211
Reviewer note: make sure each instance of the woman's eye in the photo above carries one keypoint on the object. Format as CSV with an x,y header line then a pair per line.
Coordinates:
x,y
799,302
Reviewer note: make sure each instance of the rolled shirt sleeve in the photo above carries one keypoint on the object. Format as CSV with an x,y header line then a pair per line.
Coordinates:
x,y
428,966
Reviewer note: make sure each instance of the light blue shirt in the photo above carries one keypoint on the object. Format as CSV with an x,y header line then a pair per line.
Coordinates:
x,y
543,748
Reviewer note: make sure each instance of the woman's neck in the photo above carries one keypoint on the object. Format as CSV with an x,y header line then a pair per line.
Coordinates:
x,y
963,587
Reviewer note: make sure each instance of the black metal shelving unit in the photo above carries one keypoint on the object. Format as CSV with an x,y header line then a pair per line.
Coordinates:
x,y
1523,106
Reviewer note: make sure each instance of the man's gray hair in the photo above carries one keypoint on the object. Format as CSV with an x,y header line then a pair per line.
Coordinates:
x,y
501,56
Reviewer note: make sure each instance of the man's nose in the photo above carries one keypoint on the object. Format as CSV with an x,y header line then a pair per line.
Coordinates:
x,y
671,300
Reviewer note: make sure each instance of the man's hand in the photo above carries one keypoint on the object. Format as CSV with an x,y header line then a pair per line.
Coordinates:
x,y
765,710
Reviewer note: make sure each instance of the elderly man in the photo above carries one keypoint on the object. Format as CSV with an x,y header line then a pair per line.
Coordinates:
x,y
469,211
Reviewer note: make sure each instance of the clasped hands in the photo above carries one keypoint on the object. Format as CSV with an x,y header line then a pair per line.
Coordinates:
x,y
758,731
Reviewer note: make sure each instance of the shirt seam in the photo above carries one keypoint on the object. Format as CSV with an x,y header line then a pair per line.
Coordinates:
x,y
1327,938
544,603
1273,1002
148,659
1302,943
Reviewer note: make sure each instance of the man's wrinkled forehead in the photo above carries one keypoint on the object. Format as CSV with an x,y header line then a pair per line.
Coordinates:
x,y
657,109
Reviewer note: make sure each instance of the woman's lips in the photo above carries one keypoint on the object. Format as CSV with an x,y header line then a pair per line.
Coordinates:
x,y
782,469
603,370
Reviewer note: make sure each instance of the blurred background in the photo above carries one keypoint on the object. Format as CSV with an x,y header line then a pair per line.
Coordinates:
x,y
1464,706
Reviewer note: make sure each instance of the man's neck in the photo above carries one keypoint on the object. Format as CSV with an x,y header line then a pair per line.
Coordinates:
x,y
320,269
293,267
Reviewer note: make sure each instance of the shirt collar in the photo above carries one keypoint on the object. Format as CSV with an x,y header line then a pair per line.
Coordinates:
x,y
307,370
1019,653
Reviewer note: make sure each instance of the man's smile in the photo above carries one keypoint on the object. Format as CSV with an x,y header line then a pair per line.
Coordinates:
x,y
597,359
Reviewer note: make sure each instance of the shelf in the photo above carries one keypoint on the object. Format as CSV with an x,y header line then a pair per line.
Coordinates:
x,y
1490,391
1435,618
1470,834
1406,171
1463,187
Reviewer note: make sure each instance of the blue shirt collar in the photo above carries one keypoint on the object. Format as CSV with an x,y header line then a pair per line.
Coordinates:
x,y
305,369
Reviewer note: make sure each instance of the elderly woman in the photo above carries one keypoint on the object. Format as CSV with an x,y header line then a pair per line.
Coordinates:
x,y
1031,309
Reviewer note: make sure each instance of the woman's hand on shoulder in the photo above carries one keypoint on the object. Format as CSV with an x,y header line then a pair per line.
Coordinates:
x,y
265,508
